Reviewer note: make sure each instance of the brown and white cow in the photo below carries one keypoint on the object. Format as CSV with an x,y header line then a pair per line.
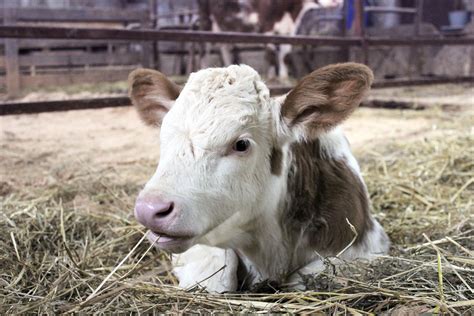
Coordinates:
x,y
278,17
249,187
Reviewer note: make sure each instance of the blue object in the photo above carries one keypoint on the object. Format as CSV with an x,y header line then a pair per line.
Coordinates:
x,y
350,13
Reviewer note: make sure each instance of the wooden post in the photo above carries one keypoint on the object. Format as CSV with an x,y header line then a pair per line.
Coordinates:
x,y
205,24
147,47
181,64
418,17
344,18
418,51
345,51
415,61
154,21
360,29
12,63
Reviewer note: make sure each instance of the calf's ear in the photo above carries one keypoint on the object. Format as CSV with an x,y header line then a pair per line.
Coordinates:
x,y
325,98
152,94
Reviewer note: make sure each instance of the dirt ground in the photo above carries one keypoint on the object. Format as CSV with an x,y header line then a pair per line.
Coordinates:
x,y
116,137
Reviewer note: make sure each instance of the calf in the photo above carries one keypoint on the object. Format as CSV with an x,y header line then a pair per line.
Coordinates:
x,y
249,187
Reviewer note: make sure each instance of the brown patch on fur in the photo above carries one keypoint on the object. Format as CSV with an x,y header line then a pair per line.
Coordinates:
x,y
322,193
226,14
271,12
151,93
326,97
276,161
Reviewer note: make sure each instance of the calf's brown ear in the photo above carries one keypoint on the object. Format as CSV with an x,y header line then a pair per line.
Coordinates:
x,y
152,94
325,97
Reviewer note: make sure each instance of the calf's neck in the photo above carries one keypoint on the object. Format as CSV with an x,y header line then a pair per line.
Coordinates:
x,y
249,187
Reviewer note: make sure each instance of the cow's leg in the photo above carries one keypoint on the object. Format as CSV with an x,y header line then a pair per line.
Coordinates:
x,y
283,51
271,61
295,280
210,267
206,55
226,53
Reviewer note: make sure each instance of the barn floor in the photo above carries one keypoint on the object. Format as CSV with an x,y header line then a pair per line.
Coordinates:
x,y
68,182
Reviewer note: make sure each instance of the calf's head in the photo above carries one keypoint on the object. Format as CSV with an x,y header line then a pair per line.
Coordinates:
x,y
222,139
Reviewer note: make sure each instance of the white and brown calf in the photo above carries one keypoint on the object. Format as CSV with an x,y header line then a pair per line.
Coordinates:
x,y
249,187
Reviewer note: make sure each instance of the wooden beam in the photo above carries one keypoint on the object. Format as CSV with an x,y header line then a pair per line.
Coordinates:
x,y
173,36
77,59
278,90
55,43
393,105
50,106
390,10
76,15
91,75
221,37
53,106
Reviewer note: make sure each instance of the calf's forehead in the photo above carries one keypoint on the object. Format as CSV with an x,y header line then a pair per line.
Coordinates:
x,y
234,96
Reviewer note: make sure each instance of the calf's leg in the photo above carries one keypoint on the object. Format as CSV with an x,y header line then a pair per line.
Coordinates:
x,y
295,280
210,267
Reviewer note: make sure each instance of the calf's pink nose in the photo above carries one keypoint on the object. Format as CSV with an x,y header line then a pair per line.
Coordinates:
x,y
150,211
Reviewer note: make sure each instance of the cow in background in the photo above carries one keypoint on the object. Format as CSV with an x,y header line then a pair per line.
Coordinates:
x,y
276,17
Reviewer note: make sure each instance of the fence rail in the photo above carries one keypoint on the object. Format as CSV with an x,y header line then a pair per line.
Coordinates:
x,y
221,37
75,15
120,101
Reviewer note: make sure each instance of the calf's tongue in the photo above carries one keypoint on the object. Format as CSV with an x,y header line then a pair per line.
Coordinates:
x,y
158,238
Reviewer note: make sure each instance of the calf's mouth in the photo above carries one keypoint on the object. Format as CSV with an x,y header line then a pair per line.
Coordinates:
x,y
172,243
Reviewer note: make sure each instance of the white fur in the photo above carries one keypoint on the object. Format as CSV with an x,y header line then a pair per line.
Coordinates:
x,y
336,146
330,3
376,243
295,280
207,267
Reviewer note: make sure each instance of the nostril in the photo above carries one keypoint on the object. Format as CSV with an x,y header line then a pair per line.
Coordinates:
x,y
165,212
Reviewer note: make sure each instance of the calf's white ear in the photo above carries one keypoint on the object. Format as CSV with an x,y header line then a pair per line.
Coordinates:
x,y
152,94
325,98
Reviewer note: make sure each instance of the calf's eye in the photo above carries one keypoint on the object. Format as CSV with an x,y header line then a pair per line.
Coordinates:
x,y
242,145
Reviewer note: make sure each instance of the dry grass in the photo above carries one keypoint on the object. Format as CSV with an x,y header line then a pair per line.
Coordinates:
x,y
74,246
